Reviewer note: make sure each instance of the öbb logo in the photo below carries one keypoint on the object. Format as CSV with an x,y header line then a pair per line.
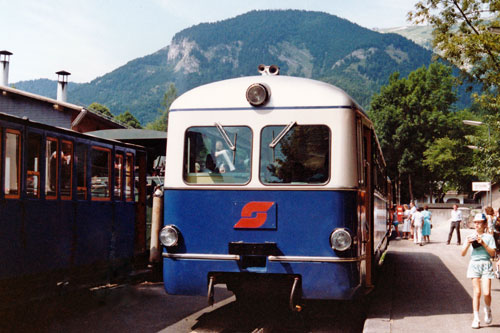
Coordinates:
x,y
254,214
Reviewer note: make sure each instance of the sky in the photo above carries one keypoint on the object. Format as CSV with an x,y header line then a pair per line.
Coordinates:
x,y
90,38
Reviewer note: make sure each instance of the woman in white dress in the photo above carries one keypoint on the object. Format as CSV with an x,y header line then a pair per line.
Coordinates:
x,y
407,222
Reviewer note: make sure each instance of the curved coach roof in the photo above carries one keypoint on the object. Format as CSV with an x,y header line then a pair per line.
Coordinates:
x,y
286,92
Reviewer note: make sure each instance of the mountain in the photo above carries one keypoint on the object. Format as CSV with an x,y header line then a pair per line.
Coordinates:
x,y
420,34
308,44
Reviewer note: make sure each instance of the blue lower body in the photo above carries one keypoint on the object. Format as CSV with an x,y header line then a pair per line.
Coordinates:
x,y
299,224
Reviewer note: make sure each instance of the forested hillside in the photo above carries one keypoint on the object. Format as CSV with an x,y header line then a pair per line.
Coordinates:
x,y
308,44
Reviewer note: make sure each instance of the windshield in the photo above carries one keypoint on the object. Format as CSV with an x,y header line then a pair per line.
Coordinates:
x,y
300,157
210,158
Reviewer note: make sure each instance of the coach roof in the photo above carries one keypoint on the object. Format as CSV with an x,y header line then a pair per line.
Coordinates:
x,y
285,91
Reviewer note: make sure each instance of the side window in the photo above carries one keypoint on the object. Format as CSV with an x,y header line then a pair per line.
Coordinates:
x,y
101,171
297,155
81,171
34,149
118,176
66,169
51,157
217,155
12,170
129,178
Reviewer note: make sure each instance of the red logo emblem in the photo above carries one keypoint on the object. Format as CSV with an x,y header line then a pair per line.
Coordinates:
x,y
254,214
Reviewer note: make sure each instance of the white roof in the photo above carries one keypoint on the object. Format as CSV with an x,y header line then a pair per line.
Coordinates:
x,y
286,91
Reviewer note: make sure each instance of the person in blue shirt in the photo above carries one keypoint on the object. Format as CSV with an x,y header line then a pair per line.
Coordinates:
x,y
480,268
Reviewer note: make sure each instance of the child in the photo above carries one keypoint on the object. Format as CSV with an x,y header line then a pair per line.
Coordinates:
x,y
480,267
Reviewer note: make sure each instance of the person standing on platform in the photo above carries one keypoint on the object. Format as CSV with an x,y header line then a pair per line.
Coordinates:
x,y
456,219
480,268
407,222
413,210
426,229
490,218
418,223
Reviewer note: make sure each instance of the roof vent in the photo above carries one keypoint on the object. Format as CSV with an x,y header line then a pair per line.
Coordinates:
x,y
62,85
4,66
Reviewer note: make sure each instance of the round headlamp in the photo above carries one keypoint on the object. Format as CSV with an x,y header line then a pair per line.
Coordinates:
x,y
340,240
169,236
258,94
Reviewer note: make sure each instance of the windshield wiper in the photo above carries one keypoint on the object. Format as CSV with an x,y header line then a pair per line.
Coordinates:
x,y
226,138
280,136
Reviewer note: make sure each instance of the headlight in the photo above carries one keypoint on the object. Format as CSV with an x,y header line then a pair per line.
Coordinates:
x,y
257,94
340,240
169,236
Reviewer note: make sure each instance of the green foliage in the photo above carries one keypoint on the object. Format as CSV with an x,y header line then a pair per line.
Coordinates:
x,y
128,119
409,115
463,36
161,122
101,109
486,155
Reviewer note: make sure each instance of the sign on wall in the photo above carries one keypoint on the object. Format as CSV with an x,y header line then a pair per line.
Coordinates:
x,y
481,186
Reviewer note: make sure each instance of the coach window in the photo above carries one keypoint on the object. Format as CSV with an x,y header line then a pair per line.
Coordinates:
x,y
101,170
129,177
33,151
295,154
12,171
66,169
81,171
118,176
217,155
51,157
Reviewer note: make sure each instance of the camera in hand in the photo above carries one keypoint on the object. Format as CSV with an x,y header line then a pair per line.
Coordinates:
x,y
475,243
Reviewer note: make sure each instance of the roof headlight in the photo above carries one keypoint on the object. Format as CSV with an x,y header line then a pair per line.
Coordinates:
x,y
340,239
169,236
258,94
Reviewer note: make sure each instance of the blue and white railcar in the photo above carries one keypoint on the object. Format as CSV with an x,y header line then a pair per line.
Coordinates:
x,y
272,183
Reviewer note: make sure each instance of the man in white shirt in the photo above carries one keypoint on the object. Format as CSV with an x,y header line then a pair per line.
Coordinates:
x,y
456,219
418,223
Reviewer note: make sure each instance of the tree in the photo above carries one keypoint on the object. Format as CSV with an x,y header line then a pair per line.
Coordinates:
x,y
486,155
466,34
449,159
101,109
128,119
409,114
161,122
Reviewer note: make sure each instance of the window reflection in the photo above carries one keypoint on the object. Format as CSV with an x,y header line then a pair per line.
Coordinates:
x,y
66,168
51,149
81,171
12,161
118,176
100,160
129,177
33,165
208,158
300,157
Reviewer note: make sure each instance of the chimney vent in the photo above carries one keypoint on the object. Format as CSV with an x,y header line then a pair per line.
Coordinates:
x,y
62,85
4,66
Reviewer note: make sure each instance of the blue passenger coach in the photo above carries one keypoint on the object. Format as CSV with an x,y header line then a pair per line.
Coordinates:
x,y
69,209
273,183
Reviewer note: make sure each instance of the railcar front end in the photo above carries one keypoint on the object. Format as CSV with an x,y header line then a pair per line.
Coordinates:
x,y
269,187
